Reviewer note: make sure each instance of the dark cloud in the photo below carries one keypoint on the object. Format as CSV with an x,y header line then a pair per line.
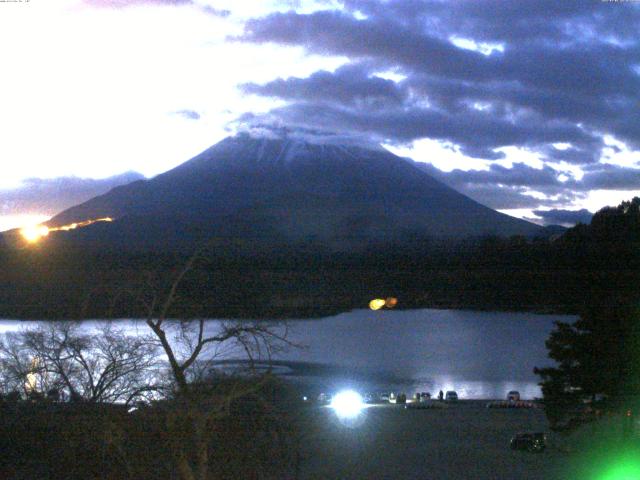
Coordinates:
x,y
542,21
478,133
522,186
50,196
502,197
562,70
546,180
611,177
564,217
381,40
579,156
518,175
351,85
502,188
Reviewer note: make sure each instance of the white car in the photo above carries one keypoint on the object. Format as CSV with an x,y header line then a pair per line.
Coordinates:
x,y
324,399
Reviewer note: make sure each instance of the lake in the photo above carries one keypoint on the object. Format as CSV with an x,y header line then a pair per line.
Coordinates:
x,y
481,355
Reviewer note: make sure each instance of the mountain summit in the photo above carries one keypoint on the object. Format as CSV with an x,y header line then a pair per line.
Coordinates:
x,y
291,190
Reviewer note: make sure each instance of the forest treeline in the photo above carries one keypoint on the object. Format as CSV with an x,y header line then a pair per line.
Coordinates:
x,y
595,375
251,278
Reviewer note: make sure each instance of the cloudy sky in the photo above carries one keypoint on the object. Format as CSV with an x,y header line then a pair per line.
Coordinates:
x,y
530,107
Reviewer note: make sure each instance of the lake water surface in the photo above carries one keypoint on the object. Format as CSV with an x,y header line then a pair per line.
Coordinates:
x,y
478,354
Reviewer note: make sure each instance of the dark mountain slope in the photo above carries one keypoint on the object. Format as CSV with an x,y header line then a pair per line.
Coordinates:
x,y
291,190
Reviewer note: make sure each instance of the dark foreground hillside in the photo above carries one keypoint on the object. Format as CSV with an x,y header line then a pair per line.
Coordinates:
x,y
291,440
39,438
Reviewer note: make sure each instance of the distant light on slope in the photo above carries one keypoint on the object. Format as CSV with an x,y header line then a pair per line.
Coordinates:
x,y
377,304
73,226
35,233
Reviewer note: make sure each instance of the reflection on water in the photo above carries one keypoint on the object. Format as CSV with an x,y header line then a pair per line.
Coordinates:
x,y
478,354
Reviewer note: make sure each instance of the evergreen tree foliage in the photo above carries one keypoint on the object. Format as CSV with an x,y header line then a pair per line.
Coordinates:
x,y
598,356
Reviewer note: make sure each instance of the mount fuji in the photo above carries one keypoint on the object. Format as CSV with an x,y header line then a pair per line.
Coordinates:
x,y
288,190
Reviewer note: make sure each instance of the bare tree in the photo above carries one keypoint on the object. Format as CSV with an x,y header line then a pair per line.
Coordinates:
x,y
18,372
106,366
192,348
111,366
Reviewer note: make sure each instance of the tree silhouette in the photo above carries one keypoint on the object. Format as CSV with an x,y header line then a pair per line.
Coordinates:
x,y
55,359
620,224
199,400
598,363
598,356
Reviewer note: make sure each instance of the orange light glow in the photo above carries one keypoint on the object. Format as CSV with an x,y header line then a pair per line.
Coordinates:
x,y
391,302
35,233
376,304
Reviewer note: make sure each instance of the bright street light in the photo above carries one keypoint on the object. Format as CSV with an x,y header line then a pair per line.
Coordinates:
x,y
347,404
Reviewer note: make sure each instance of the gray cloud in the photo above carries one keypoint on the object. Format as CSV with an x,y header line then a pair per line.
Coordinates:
x,y
511,188
216,11
536,90
605,176
546,180
50,196
564,217
507,188
559,72
188,114
501,197
518,175
351,84
478,133
379,39
542,21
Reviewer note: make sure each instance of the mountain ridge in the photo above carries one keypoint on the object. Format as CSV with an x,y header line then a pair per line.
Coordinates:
x,y
302,190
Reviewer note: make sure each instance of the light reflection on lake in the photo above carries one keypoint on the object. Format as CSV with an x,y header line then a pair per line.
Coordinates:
x,y
479,354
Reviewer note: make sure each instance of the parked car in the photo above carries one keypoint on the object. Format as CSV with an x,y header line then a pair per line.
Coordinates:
x,y
513,396
401,398
371,398
424,396
451,396
529,441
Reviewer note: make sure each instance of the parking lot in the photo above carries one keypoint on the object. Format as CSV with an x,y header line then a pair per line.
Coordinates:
x,y
465,440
